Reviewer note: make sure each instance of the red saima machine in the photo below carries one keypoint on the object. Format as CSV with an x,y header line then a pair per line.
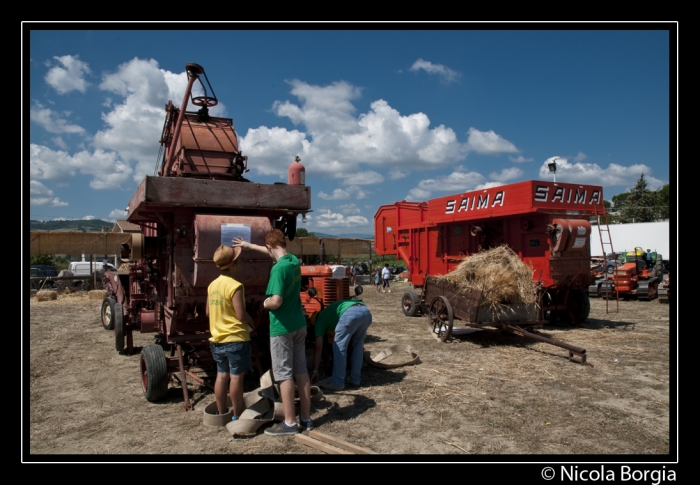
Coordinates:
x,y
199,200
545,223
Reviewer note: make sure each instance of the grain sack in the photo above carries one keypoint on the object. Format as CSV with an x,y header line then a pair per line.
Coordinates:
x,y
499,273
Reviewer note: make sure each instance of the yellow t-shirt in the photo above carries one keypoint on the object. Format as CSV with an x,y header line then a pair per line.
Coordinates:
x,y
224,324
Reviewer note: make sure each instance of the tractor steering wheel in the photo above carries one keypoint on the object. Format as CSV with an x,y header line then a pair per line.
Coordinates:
x,y
205,101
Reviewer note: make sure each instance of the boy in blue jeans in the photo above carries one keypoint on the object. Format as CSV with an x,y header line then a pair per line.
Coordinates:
x,y
229,323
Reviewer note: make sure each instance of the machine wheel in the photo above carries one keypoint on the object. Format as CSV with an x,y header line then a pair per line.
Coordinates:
x,y
611,269
579,305
118,319
440,319
107,313
154,373
410,303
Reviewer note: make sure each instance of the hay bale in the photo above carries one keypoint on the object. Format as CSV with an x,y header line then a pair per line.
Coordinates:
x,y
46,295
500,273
97,294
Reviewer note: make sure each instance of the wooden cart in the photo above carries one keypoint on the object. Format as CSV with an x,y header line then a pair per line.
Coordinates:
x,y
443,302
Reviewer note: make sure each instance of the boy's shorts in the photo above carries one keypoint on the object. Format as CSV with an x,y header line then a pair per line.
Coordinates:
x,y
288,353
233,358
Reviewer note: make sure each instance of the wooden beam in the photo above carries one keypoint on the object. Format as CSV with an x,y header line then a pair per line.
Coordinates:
x,y
101,243
321,446
340,443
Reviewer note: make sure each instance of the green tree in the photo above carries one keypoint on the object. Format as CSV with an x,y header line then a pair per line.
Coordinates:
x,y
301,232
663,201
619,200
640,204
42,259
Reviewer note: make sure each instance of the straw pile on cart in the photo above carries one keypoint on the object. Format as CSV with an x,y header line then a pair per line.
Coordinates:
x,y
499,272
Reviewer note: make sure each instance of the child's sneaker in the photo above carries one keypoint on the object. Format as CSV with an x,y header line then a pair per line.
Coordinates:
x,y
281,429
307,425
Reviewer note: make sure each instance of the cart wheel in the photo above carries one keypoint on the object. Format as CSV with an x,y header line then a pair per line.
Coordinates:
x,y
154,373
118,319
107,313
440,318
410,303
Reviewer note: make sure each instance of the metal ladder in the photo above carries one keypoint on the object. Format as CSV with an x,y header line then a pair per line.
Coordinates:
x,y
603,218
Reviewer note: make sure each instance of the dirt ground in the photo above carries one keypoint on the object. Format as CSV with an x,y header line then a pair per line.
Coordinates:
x,y
482,394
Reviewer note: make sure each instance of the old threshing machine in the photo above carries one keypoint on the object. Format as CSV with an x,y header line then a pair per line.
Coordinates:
x,y
545,223
199,200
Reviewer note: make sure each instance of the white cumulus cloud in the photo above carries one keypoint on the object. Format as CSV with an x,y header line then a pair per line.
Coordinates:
x,y
489,143
506,174
68,75
345,193
458,181
52,121
520,159
328,219
40,195
591,173
334,141
106,169
446,74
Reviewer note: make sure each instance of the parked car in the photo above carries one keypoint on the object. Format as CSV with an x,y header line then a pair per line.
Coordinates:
x,y
38,270
84,268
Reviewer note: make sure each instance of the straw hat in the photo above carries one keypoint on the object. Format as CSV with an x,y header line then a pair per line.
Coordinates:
x,y
225,255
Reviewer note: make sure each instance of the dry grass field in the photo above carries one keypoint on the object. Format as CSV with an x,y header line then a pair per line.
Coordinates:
x,y
481,396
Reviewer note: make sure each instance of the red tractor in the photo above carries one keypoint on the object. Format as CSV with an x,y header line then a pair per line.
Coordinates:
x,y
638,277
198,200
545,223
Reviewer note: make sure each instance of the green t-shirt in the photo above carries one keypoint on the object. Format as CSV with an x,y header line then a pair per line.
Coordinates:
x,y
328,318
285,281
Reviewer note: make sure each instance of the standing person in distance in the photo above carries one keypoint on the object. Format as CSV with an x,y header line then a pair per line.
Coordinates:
x,y
287,331
386,275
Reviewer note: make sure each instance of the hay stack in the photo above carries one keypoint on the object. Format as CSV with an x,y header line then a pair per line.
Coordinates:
x,y
500,273
97,294
46,295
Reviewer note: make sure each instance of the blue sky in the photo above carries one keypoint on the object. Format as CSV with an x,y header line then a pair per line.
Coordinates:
x,y
377,116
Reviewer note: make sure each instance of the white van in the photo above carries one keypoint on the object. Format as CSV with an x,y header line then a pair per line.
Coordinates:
x,y
83,268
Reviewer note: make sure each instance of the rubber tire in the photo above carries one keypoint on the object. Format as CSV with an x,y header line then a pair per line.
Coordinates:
x,y
411,296
610,269
154,373
580,305
118,318
107,303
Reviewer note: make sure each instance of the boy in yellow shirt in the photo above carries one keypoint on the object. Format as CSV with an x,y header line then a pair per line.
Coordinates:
x,y
228,323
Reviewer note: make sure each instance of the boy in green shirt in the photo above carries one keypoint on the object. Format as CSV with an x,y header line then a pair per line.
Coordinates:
x,y
287,331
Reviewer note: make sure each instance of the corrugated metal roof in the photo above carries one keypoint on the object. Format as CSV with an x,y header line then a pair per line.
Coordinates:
x,y
125,226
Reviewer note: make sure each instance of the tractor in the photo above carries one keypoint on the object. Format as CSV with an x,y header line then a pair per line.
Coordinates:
x,y
637,275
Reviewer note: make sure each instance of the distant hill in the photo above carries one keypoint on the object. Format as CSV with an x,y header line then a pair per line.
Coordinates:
x,y
349,236
93,225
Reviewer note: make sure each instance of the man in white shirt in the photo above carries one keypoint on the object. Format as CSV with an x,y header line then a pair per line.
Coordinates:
x,y
386,274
